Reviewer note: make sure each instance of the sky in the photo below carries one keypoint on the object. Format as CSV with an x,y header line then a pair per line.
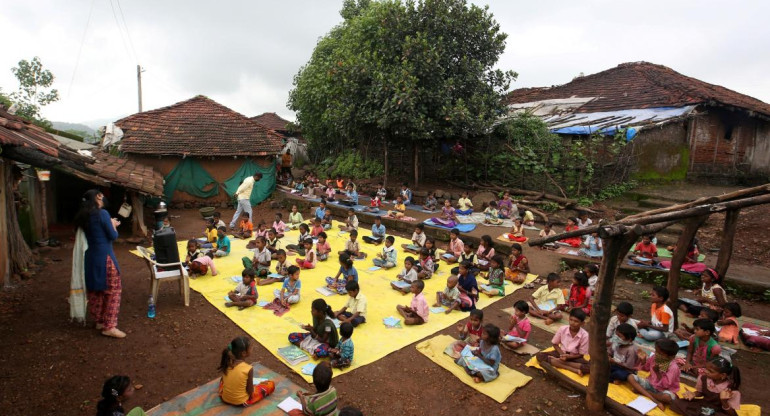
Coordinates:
x,y
244,54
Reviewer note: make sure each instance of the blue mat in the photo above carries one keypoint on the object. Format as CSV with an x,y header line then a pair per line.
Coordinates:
x,y
419,208
464,228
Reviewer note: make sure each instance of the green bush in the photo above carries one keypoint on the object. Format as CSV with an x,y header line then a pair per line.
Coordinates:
x,y
351,165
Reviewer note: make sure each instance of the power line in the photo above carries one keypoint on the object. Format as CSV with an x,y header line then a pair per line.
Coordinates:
x,y
128,33
80,50
120,30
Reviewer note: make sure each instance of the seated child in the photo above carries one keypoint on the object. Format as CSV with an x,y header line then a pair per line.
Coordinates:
x,y
245,227
289,293
261,260
470,332
351,196
387,259
322,334
622,315
351,222
491,215
405,194
464,205
662,384
579,294
281,267
703,347
381,191
454,248
592,271
320,211
330,192
237,386
571,241
570,345
311,257
304,234
354,312
201,265
661,317
506,208
450,296
711,295
223,243
731,311
448,217
245,293
645,252
691,263
528,219
378,232
327,219
193,252
517,232
430,202
592,246
425,267
342,356
685,331
399,208
518,265
278,225
317,228
348,273
295,218
211,235
485,252
496,285
418,240
547,231
489,352
324,401
583,221
272,242
408,274
468,287
217,218
322,247
375,203
623,353
417,312
716,389
352,248
115,392
545,300
520,326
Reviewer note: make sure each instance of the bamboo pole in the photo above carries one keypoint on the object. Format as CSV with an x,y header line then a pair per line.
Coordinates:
x,y
677,259
728,236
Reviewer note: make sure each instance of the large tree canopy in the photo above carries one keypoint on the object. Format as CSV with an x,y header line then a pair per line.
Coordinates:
x,y
403,72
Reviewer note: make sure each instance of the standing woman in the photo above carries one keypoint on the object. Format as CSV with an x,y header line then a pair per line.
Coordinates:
x,y
102,277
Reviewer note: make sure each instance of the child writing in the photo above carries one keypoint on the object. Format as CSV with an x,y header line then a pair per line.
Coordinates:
x,y
430,202
387,258
115,391
351,222
418,240
545,300
716,388
408,274
464,205
662,384
570,344
322,247
518,265
378,232
311,257
417,311
496,285
520,328
488,352
354,312
223,243
703,347
661,321
342,356
454,248
624,358
322,334
295,218
245,293
348,273
261,260
289,293
645,252
237,386
492,215
450,296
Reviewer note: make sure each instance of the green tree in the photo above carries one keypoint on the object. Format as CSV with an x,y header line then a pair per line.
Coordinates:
x,y
407,73
34,88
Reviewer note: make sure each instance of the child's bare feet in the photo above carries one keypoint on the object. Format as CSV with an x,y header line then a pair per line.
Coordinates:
x,y
548,321
477,379
229,304
580,372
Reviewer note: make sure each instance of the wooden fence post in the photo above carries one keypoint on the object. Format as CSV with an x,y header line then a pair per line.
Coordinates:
x,y
728,236
677,259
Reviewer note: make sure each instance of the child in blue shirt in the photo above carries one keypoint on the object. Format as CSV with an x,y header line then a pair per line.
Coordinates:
x,y
342,356
378,232
223,243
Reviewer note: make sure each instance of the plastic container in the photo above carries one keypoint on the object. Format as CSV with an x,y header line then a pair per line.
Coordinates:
x,y
151,308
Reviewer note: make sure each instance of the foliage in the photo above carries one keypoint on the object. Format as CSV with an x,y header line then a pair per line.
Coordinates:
x,y
563,266
404,73
351,165
34,88
766,295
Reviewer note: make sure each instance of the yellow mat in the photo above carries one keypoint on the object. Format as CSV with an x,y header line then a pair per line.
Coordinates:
x,y
684,319
372,340
622,393
540,323
498,389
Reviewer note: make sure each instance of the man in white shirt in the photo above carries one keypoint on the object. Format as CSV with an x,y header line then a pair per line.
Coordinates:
x,y
243,194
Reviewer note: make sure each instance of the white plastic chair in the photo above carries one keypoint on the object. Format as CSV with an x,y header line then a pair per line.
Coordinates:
x,y
172,271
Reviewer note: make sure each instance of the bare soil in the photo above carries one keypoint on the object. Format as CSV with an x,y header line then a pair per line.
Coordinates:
x,y
49,366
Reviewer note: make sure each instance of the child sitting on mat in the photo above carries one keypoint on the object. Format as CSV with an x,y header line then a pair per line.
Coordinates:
x,y
579,294
592,246
295,218
375,202
417,312
662,384
351,222
470,332
623,353
729,327
430,202
261,260
418,240
450,296
387,258
245,227
492,215
496,285
320,211
518,265
464,205
528,219
304,234
703,347
202,265
517,231
245,294
468,255
193,252
311,257
506,208
570,344
448,216
378,232
485,252
237,384
645,252
408,274
327,219
330,192
468,286
685,331
622,315
545,300
272,243
278,225
454,248
571,241
716,389
261,229
352,248
348,273
223,243
211,235
592,271
322,334
661,321
425,267
322,247
520,326
354,312
381,191
281,266
399,208
317,228
489,352
289,293
405,194
342,356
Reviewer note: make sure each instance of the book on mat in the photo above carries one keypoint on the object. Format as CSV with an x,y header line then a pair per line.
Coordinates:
x,y
275,276
401,284
683,344
237,279
326,291
447,255
374,268
293,354
547,306
642,405
288,404
438,309
308,368
391,322
511,338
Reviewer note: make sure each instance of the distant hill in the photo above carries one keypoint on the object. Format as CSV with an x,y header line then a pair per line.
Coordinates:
x,y
81,130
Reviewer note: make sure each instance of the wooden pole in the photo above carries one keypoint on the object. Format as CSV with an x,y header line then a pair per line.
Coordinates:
x,y
385,179
5,254
726,248
138,228
415,158
43,211
677,259
757,190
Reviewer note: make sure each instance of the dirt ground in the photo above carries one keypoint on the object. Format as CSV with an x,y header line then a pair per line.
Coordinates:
x,y
49,366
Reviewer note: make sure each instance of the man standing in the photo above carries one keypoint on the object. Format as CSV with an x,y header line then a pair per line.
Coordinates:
x,y
243,194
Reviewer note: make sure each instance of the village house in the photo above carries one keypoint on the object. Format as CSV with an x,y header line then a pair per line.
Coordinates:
x,y
203,149
678,127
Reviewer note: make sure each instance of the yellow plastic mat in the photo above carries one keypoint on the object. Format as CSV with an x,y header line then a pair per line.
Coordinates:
x,y
498,389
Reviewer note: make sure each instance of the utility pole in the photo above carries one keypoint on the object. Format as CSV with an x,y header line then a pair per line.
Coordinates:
x,y
139,71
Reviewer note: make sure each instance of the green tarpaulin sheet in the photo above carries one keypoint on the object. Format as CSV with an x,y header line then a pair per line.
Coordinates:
x,y
262,189
189,176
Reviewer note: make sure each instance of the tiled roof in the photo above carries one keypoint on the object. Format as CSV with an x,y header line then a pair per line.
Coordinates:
x,y
196,127
640,85
127,173
271,121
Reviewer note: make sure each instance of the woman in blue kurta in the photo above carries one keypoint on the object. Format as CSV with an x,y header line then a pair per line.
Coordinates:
x,y
102,277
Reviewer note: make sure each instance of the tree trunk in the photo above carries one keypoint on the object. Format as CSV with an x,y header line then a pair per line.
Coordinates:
x,y
677,259
20,254
726,248
5,254
416,159
43,211
385,179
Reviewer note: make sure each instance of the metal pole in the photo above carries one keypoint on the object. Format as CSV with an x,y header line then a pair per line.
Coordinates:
x,y
139,84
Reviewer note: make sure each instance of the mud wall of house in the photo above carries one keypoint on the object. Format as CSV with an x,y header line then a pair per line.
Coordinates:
x,y
220,169
661,153
729,146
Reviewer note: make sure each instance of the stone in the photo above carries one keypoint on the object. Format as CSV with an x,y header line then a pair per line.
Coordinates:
x,y
482,199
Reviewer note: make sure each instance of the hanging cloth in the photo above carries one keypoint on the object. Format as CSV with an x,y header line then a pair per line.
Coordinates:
x,y
262,189
190,177
78,282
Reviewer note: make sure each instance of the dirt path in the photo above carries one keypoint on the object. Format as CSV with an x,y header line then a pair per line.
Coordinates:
x,y
49,366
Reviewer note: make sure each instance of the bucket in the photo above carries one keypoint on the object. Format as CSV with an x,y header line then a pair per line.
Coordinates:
x,y
44,175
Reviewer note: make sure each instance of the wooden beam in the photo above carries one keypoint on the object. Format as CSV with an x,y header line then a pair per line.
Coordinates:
x,y
757,190
677,259
728,236
5,254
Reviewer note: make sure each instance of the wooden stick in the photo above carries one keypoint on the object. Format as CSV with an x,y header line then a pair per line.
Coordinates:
x,y
677,259
612,406
757,190
726,248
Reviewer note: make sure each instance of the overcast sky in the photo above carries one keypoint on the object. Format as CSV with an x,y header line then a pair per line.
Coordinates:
x,y
244,54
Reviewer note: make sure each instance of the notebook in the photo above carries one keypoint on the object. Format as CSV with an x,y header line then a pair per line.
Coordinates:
x,y
289,404
293,354
401,284
511,338
642,405
326,291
